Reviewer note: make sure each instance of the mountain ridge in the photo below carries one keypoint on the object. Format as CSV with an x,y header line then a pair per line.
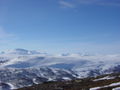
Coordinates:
x,y
80,66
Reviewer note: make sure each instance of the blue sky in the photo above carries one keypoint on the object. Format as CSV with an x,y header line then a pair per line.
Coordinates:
x,y
58,26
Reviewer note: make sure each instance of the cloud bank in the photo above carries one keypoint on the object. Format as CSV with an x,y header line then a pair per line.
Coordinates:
x,y
72,4
100,2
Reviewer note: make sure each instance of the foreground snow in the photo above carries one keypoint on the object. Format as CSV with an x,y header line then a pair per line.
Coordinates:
x,y
104,78
118,88
111,85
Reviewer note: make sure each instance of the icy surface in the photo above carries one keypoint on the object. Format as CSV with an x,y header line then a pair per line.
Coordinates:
x,y
118,88
113,84
104,78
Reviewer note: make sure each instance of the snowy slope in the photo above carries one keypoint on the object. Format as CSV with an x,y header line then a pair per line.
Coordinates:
x,y
83,65
21,60
17,78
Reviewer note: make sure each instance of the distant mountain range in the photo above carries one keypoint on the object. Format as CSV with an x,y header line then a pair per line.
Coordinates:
x,y
20,67
20,51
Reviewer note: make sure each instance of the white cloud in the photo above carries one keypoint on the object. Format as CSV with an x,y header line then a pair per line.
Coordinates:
x,y
71,4
6,38
101,2
66,4
4,34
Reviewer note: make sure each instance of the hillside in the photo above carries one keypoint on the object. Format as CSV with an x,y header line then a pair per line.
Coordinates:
x,y
103,82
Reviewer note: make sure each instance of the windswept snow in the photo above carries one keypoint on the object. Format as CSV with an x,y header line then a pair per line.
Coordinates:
x,y
11,86
95,88
104,78
118,88
111,85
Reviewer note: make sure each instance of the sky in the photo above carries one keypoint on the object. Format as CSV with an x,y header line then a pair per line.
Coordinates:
x,y
61,26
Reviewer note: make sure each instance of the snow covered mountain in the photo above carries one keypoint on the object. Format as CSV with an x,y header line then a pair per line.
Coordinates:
x,y
18,78
20,63
20,51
